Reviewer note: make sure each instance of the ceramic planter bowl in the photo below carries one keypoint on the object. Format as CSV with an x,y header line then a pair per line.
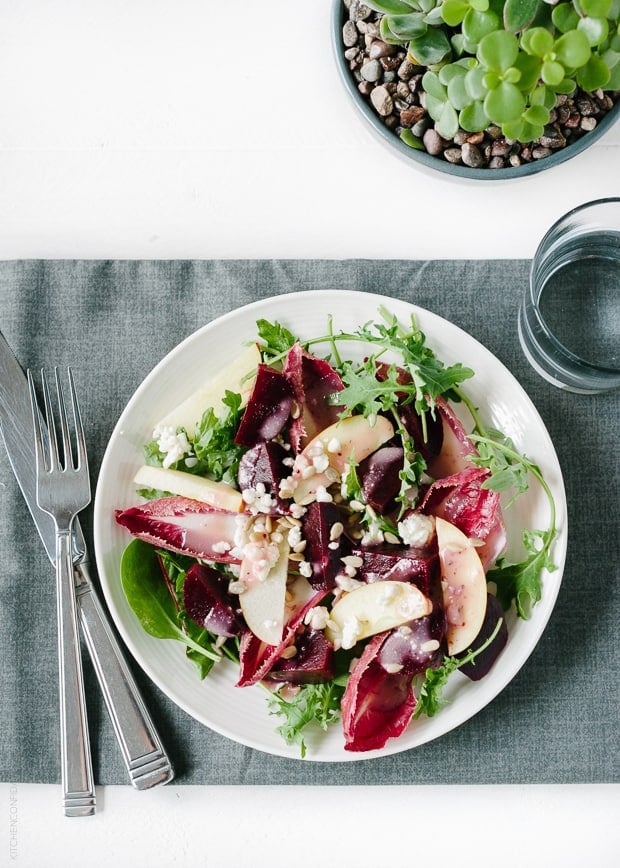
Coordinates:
x,y
425,160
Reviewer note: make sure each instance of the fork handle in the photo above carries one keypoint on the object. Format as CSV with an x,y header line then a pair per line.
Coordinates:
x,y
76,765
142,750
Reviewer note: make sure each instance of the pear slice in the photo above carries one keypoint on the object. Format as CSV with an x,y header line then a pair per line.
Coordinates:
x,y
217,494
263,603
238,376
464,586
352,438
373,608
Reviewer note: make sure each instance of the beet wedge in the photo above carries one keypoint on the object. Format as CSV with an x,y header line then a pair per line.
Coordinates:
x,y
268,408
185,526
207,602
313,381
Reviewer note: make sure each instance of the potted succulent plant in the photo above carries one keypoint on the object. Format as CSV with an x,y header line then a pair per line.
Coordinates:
x,y
469,86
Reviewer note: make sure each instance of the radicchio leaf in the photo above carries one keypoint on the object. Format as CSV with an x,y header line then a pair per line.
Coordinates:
x,y
207,602
185,526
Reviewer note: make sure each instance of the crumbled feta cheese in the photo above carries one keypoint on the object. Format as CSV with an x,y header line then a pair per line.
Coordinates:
x,y
173,445
323,495
351,631
320,463
333,445
374,534
221,547
416,529
317,617
305,569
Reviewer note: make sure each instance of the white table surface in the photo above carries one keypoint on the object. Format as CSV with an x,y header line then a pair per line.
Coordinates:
x,y
152,129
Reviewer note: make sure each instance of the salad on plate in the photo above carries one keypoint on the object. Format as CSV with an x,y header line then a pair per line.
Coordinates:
x,y
335,526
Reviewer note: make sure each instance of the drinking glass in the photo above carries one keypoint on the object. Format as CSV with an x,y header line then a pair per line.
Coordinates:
x,y
569,321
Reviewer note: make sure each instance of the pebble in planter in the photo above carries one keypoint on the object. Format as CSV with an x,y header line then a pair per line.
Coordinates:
x,y
486,83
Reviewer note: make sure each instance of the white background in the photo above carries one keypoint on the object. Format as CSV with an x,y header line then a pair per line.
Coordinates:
x,y
203,129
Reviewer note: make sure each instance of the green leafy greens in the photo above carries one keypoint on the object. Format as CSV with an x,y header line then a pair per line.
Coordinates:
x,y
313,703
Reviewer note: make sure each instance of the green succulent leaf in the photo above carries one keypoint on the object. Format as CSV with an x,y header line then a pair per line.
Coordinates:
x,y
614,78
431,48
518,14
513,130
565,17
504,103
477,24
543,96
474,82
450,71
573,49
538,115
407,27
567,86
537,41
529,66
386,34
409,139
433,86
473,118
457,92
596,8
479,5
390,7
448,124
595,29
453,11
531,132
498,50
594,74
552,72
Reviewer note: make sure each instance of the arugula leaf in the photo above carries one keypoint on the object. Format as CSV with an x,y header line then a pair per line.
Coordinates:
x,y
314,703
214,442
429,700
277,340
521,582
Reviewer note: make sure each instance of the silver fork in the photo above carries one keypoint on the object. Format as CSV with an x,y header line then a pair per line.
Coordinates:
x,y
63,490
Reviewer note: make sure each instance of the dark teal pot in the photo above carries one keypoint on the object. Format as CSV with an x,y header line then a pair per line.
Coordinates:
x,y
424,160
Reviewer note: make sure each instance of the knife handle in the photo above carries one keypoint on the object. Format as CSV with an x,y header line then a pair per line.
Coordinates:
x,y
143,753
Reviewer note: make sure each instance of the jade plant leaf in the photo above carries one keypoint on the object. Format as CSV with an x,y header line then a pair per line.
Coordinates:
x,y
473,118
552,73
594,74
595,29
406,27
537,41
504,103
596,8
573,49
453,11
518,14
498,50
477,24
565,17
390,7
431,48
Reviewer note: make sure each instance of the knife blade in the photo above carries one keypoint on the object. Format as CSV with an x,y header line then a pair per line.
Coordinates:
x,y
142,750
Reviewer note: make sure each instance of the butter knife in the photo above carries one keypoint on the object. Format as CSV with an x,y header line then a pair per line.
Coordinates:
x,y
141,747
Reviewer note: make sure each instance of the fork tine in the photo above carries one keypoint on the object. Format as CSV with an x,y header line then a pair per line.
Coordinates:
x,y
54,460
36,421
67,462
82,460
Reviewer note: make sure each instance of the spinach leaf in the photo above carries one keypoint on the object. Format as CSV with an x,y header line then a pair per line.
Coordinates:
x,y
147,594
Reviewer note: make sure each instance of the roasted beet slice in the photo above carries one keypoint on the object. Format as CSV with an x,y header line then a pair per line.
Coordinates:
x,y
263,463
483,662
206,601
313,381
323,553
428,443
377,705
401,564
379,477
267,410
417,646
461,500
312,663
185,526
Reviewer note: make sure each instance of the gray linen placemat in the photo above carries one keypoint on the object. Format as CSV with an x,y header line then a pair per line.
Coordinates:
x,y
557,722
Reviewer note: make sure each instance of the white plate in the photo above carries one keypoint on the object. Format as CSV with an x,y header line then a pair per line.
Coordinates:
x,y
241,713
